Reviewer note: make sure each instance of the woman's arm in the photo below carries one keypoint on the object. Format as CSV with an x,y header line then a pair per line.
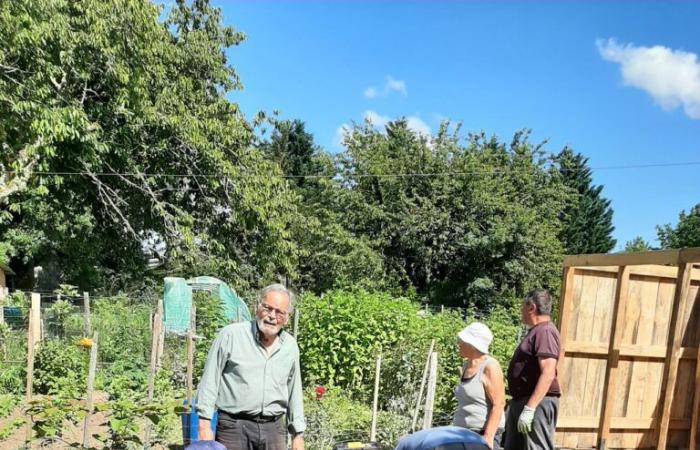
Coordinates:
x,y
496,393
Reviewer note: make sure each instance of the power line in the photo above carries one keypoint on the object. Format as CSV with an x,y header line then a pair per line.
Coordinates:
x,y
352,175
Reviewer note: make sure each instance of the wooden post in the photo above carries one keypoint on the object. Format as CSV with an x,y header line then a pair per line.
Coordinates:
x,y
155,342
86,314
610,384
675,337
30,357
161,334
35,317
696,406
430,395
90,387
296,323
190,366
422,386
375,402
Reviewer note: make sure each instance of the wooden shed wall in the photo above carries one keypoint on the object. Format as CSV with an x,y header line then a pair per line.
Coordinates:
x,y
632,363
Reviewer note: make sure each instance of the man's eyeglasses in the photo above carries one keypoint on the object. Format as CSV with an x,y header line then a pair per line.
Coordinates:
x,y
269,310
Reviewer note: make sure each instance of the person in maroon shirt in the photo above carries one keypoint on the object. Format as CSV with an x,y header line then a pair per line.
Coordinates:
x,y
532,378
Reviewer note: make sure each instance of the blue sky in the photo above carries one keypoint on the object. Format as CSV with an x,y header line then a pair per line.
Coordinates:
x,y
616,81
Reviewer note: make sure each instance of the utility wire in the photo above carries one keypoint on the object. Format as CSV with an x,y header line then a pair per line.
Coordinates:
x,y
360,175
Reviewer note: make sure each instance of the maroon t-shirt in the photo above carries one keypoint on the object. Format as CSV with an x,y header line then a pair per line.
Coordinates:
x,y
542,341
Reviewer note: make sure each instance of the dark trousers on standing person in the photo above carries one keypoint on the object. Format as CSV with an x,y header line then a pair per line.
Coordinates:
x,y
244,432
541,437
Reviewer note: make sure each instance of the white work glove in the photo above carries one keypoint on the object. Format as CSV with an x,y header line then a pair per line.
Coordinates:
x,y
525,419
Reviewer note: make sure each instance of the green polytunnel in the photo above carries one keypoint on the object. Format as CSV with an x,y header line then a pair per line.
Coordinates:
x,y
177,301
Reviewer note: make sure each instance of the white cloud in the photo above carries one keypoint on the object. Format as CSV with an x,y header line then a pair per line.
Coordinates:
x,y
671,77
390,85
414,123
377,119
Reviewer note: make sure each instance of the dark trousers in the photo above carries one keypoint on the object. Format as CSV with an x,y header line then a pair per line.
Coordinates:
x,y
241,434
542,435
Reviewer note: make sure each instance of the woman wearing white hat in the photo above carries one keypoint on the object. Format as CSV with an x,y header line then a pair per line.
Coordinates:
x,y
480,392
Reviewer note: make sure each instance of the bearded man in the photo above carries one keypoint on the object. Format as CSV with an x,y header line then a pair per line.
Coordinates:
x,y
252,378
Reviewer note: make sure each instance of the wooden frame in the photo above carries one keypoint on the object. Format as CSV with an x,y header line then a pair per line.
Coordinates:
x,y
627,324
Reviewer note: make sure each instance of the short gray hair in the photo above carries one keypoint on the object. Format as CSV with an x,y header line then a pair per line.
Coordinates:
x,y
542,300
277,287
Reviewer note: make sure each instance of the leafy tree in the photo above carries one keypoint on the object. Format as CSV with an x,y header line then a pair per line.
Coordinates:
x,y
116,128
330,255
588,217
638,244
483,232
293,148
686,233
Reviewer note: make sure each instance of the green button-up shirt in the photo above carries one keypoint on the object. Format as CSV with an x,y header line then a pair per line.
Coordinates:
x,y
241,376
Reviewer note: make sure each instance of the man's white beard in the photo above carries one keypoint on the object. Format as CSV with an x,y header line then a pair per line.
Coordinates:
x,y
269,330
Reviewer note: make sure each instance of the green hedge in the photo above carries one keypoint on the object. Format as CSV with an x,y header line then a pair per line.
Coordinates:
x,y
341,334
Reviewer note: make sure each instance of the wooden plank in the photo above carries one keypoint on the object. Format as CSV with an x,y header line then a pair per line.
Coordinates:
x,y
597,349
617,423
610,384
648,270
696,405
663,257
668,383
664,303
689,255
155,342
567,293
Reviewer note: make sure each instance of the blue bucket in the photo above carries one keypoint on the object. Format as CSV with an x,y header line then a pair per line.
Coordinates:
x,y
190,425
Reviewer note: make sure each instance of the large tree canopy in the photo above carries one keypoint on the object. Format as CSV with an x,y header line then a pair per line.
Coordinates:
x,y
116,128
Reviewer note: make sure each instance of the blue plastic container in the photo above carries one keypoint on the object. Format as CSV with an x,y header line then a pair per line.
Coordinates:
x,y
190,425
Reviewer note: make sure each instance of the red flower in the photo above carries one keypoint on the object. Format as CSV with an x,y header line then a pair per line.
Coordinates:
x,y
320,392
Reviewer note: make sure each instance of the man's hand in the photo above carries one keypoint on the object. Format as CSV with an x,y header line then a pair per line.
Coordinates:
x,y
205,433
298,441
525,420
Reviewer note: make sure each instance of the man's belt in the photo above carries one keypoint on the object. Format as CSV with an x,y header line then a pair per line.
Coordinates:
x,y
257,418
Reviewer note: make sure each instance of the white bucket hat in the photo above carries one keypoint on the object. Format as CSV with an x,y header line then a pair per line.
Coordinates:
x,y
477,335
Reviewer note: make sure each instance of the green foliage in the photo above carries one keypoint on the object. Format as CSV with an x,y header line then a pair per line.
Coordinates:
x,y
122,88
686,233
123,326
340,335
12,379
335,417
48,415
638,244
59,313
60,369
588,217
209,320
484,234
7,404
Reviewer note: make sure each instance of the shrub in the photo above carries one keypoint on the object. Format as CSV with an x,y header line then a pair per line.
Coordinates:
x,y
60,369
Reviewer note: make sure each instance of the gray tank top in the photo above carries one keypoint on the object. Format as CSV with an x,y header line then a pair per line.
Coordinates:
x,y
472,403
